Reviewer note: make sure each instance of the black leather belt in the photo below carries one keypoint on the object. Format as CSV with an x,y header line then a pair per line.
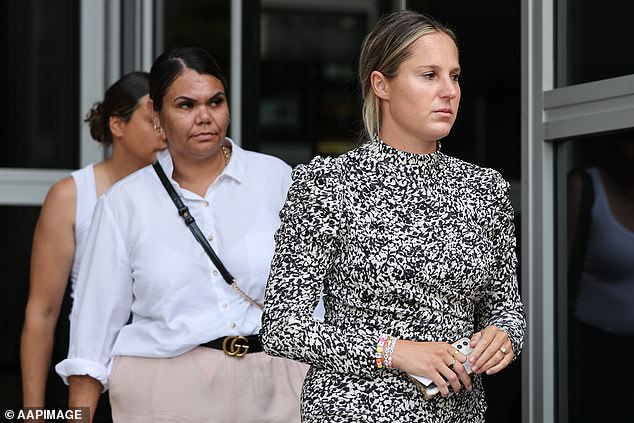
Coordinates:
x,y
236,346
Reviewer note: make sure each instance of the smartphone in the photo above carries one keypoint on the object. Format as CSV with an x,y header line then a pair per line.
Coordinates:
x,y
427,386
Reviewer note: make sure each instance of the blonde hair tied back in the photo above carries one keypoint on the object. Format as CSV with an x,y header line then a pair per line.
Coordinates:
x,y
384,49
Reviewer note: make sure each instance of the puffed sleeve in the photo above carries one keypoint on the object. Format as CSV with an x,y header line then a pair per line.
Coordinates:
x,y
102,300
306,245
501,306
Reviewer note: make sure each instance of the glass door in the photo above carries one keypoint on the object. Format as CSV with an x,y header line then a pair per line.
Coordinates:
x,y
40,140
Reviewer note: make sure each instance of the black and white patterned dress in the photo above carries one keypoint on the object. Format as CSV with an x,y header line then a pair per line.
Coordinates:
x,y
420,247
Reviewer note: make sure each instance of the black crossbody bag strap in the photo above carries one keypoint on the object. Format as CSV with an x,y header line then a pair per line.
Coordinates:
x,y
189,220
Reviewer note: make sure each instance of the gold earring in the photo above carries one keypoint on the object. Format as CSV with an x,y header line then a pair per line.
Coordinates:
x,y
156,127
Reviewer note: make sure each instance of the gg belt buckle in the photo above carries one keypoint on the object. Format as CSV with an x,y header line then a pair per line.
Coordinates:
x,y
235,346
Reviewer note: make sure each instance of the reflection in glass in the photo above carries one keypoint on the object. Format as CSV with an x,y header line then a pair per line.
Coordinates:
x,y
600,239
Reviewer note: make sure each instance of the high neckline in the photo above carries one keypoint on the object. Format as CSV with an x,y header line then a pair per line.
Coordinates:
x,y
388,153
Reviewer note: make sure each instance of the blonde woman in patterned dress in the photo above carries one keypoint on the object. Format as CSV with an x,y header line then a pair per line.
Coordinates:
x,y
413,250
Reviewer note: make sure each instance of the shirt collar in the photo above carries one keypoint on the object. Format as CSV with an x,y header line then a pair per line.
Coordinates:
x,y
235,169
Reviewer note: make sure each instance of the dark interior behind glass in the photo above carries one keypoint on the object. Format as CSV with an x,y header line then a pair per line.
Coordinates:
x,y
40,84
15,254
598,40
595,286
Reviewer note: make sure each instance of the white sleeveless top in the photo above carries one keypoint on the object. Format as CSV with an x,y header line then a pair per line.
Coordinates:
x,y
86,201
606,288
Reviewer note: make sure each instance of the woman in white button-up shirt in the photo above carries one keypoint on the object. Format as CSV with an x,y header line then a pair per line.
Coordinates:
x,y
147,294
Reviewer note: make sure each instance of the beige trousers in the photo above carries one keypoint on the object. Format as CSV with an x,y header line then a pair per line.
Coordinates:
x,y
205,385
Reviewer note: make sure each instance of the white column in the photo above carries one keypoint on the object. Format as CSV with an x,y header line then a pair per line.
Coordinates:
x,y
538,216
92,73
235,79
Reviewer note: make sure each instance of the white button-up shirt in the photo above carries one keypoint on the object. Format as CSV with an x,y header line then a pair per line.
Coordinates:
x,y
141,259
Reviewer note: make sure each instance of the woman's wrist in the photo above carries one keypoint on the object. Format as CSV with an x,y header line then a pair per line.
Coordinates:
x,y
399,356
379,351
384,351
388,354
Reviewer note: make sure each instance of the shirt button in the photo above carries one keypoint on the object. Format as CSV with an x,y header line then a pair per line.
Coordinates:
x,y
215,273
206,203
233,324
225,305
210,237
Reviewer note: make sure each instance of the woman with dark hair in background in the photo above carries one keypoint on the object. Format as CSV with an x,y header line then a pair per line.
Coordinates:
x,y
123,122
413,250
190,351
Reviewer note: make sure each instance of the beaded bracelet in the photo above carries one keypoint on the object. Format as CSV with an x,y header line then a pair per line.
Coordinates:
x,y
389,350
380,346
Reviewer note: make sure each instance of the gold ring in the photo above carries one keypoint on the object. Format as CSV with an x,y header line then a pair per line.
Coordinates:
x,y
503,349
455,353
452,363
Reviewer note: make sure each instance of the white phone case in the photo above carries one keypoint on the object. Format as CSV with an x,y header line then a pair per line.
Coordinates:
x,y
427,386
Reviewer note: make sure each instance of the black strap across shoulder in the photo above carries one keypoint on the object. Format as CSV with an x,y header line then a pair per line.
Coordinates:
x,y
183,211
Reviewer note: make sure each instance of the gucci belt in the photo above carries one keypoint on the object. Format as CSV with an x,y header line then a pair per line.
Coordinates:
x,y
236,346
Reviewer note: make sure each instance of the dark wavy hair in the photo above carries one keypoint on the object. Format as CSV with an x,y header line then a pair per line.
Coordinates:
x,y
121,100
